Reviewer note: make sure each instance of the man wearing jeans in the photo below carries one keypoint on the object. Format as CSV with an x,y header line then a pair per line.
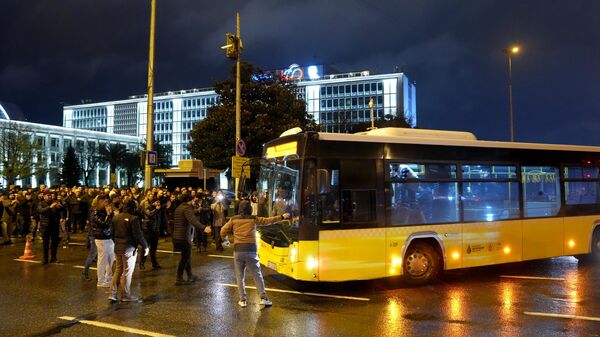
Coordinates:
x,y
101,222
128,234
243,228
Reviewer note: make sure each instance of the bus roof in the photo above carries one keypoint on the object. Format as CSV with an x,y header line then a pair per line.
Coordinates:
x,y
443,138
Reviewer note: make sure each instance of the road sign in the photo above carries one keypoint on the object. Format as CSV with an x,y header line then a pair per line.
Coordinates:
x,y
236,167
240,147
152,158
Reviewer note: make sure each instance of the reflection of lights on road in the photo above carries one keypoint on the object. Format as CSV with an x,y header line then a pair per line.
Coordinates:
x,y
393,321
506,297
456,309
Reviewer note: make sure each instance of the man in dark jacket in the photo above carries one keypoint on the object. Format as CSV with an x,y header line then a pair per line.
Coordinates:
x,y
185,218
49,212
151,208
127,234
101,222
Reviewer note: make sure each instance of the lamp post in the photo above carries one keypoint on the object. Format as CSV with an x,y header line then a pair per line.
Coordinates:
x,y
150,106
509,53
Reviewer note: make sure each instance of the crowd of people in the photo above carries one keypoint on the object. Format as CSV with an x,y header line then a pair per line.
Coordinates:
x,y
119,223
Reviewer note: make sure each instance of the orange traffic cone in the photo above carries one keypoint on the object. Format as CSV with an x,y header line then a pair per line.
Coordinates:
x,y
27,254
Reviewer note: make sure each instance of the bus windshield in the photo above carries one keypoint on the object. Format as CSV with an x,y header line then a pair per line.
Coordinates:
x,y
278,193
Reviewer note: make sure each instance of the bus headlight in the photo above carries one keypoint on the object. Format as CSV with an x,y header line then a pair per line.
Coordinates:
x,y
312,263
293,254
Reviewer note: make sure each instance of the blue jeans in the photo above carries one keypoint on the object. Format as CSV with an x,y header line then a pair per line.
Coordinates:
x,y
249,260
91,255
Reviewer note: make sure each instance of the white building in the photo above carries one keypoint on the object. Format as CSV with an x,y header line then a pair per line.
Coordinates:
x,y
334,101
56,139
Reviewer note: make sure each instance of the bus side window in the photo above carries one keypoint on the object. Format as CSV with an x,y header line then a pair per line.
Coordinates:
x,y
358,206
541,191
328,182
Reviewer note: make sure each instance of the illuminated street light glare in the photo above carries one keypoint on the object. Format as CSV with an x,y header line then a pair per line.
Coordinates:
x,y
514,49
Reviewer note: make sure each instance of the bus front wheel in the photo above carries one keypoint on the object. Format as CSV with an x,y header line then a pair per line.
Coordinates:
x,y
422,264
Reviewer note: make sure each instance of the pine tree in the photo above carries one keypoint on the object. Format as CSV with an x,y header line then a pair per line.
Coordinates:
x,y
71,170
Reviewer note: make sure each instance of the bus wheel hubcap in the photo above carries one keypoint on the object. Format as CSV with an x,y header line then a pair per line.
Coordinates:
x,y
417,264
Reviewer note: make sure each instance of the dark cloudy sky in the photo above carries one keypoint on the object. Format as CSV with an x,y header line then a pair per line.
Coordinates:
x,y
55,51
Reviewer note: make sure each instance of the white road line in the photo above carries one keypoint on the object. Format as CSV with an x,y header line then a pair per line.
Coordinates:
x,y
167,251
543,314
115,327
83,267
30,261
38,262
222,256
301,293
534,278
77,244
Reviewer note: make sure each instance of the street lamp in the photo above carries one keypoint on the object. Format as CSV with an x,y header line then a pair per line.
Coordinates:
x,y
510,52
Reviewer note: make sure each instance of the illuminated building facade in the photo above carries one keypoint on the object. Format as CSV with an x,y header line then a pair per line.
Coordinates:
x,y
56,139
335,101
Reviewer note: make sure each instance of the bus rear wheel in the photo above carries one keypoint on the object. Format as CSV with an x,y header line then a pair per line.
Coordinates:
x,y
422,264
594,256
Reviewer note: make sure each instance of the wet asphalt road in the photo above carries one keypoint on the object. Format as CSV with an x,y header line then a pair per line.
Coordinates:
x,y
474,302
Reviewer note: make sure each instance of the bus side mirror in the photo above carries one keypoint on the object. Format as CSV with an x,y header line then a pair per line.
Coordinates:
x,y
323,181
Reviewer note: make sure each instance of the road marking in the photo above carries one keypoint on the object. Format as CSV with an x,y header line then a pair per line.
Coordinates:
x,y
302,293
167,251
115,327
83,267
30,261
77,244
534,278
543,314
222,256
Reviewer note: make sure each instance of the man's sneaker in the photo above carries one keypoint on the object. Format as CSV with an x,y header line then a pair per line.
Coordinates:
x,y
193,279
112,298
131,299
243,304
265,302
103,285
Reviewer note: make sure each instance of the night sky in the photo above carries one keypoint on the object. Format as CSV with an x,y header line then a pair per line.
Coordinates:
x,y
60,52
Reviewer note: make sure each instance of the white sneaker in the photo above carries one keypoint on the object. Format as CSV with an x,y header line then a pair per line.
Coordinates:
x,y
243,304
265,302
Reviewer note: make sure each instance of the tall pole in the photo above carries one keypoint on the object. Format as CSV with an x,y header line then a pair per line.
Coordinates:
x,y
150,107
238,99
510,99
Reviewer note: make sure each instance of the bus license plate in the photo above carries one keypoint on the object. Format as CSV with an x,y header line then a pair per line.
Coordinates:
x,y
272,265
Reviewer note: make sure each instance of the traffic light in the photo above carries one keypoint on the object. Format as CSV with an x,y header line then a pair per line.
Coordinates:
x,y
233,46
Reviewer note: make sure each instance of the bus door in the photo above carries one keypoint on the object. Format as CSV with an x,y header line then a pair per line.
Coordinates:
x,y
352,216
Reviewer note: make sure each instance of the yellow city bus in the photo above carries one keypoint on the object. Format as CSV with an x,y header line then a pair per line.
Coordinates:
x,y
409,202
